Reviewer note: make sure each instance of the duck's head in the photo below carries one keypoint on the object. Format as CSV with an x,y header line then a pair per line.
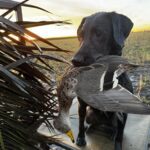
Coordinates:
x,y
62,124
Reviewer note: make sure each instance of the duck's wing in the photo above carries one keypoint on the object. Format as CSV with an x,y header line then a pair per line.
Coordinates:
x,y
117,100
114,62
91,78
112,59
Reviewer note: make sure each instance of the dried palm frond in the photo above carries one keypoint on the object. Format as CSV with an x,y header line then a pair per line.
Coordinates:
x,y
27,97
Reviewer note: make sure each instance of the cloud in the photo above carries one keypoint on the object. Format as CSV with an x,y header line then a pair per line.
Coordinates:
x,y
137,10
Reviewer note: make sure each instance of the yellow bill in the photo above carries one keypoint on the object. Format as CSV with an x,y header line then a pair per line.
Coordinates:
x,y
70,135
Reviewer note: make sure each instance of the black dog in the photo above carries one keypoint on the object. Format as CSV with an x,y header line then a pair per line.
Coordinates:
x,y
101,34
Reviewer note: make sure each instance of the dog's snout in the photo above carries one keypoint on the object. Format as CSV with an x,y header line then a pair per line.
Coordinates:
x,y
76,61
82,61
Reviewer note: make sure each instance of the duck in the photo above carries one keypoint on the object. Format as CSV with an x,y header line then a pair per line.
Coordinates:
x,y
89,82
66,94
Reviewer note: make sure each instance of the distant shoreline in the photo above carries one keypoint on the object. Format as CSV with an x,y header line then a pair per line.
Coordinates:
x,y
57,38
71,37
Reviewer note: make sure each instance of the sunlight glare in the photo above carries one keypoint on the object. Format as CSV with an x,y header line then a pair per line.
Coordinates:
x,y
53,31
14,37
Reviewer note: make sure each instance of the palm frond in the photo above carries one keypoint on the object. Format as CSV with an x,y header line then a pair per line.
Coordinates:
x,y
27,89
36,7
29,24
13,8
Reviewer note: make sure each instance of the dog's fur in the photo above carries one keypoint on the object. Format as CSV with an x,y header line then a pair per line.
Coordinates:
x,y
101,34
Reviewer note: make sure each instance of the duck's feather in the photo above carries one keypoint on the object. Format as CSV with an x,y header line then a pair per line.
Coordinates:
x,y
117,100
89,89
91,79
95,77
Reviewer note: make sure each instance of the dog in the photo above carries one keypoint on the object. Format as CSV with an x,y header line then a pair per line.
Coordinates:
x,y
100,34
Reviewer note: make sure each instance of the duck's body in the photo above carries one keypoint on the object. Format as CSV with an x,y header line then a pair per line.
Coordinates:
x,y
66,94
96,85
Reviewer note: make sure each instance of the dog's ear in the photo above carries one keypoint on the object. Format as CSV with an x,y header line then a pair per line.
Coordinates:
x,y
122,26
79,30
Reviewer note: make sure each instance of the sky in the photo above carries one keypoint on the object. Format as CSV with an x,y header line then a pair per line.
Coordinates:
x,y
74,10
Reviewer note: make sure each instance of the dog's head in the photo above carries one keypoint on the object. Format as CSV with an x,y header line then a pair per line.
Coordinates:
x,y
101,34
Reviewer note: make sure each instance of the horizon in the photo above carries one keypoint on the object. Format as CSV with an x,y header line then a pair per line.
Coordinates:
x,y
75,36
68,35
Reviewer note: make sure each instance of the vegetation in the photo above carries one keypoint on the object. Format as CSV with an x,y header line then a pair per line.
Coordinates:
x,y
27,97
27,88
137,48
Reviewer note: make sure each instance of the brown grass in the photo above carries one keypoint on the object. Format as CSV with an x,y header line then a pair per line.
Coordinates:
x,y
137,49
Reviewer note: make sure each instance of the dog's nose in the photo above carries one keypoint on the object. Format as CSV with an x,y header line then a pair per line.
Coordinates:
x,y
82,61
77,61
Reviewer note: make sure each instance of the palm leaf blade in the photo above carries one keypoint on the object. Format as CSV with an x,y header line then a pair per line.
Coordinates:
x,y
27,97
